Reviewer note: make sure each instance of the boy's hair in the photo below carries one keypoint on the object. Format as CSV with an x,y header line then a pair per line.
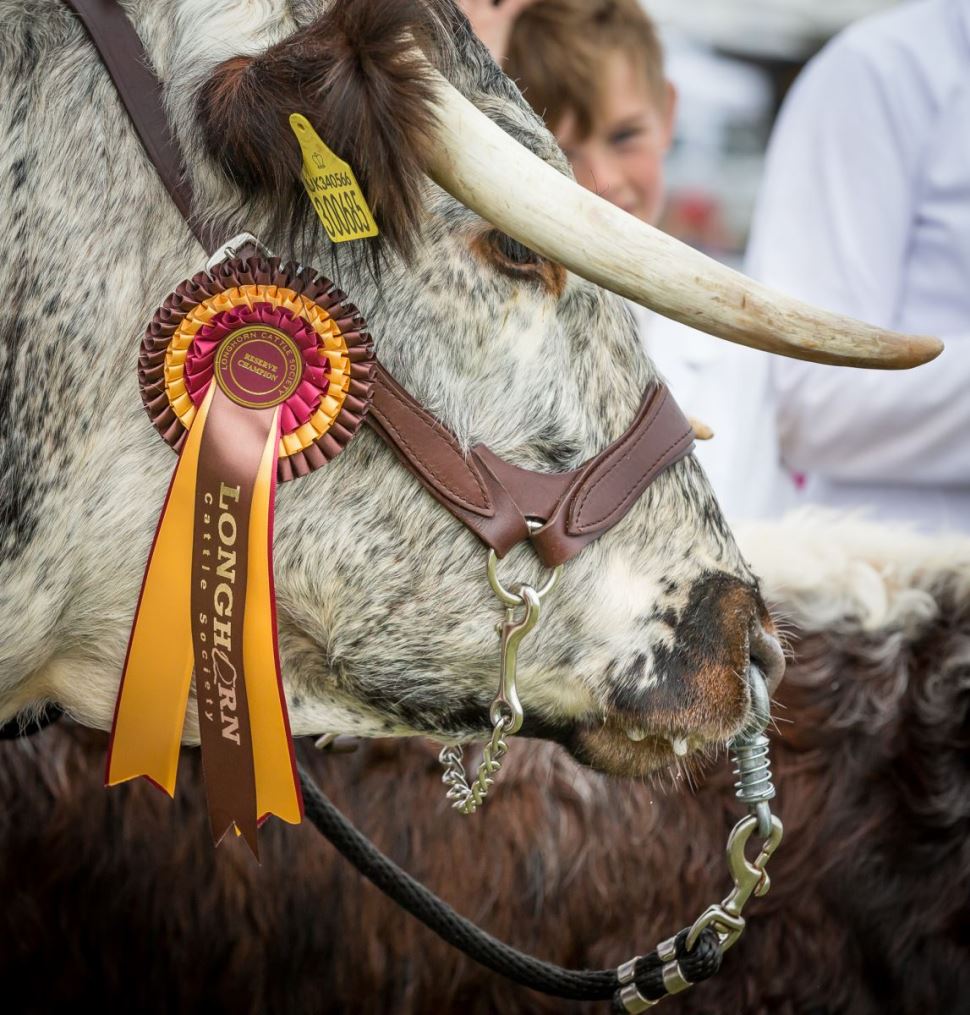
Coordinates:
x,y
558,48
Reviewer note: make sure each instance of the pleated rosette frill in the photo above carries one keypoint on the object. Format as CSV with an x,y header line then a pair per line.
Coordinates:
x,y
320,418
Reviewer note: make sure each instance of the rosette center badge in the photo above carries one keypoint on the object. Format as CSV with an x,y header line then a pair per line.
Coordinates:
x,y
258,367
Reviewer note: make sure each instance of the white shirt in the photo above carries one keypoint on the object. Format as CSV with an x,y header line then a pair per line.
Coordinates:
x,y
865,210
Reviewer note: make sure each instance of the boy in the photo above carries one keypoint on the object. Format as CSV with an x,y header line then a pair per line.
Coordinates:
x,y
593,69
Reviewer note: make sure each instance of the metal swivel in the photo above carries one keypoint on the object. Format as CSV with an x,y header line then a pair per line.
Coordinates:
x,y
749,753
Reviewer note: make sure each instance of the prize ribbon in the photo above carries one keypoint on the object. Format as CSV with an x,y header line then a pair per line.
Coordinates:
x,y
255,373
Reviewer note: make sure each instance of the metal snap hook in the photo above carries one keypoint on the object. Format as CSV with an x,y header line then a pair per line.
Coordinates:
x,y
506,704
750,878
505,713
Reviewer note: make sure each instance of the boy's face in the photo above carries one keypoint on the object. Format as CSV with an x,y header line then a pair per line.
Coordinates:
x,y
622,158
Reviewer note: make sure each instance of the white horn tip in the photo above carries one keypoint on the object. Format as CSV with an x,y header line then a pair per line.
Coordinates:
x,y
702,431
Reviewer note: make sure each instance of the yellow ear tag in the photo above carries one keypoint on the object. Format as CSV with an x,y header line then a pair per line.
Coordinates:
x,y
332,187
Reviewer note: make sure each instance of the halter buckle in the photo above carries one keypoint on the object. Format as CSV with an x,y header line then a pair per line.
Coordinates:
x,y
231,247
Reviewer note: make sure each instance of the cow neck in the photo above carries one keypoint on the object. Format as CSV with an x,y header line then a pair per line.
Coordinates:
x,y
491,497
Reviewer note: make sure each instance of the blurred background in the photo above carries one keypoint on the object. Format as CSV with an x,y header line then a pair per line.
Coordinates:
x,y
732,62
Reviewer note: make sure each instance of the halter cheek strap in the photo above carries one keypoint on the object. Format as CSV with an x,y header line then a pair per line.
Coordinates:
x,y
491,497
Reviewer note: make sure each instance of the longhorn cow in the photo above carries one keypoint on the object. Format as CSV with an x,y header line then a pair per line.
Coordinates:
x,y
489,298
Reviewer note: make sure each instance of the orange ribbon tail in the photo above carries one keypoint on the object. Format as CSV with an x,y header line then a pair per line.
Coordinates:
x,y
150,710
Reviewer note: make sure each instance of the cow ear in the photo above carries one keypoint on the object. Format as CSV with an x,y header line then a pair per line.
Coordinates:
x,y
354,74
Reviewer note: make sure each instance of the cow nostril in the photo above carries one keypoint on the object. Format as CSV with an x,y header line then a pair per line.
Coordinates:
x,y
766,653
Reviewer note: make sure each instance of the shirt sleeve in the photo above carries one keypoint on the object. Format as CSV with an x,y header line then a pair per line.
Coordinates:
x,y
832,227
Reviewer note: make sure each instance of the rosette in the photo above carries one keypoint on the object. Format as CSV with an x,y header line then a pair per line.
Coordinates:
x,y
319,418
254,373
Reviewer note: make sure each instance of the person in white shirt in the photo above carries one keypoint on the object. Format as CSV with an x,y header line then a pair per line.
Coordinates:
x,y
865,210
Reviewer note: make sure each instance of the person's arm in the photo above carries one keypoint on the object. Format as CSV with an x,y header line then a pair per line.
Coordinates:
x,y
833,226
492,22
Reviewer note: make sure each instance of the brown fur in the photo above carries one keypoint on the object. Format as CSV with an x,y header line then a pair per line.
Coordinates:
x,y
354,74
117,896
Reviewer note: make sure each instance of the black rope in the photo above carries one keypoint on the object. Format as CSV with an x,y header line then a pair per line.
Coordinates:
x,y
699,964
456,930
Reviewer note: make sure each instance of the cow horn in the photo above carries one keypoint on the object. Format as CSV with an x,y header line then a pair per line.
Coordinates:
x,y
525,197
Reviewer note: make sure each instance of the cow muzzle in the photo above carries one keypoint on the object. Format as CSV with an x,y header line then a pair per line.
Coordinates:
x,y
636,742
682,696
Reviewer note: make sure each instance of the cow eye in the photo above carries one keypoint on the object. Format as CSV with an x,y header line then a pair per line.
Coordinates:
x,y
512,252
517,261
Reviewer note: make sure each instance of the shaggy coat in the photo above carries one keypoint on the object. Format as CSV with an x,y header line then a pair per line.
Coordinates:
x,y
116,897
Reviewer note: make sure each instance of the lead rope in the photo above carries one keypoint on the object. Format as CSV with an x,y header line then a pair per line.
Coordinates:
x,y
640,983
647,977
689,957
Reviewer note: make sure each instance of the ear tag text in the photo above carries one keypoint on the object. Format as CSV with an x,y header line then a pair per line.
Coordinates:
x,y
332,187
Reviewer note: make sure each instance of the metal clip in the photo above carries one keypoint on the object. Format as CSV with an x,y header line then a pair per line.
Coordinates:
x,y
505,713
230,247
633,1001
750,878
506,704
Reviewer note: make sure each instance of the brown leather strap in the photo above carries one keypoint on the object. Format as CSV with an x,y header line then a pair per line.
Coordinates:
x,y
433,454
494,498
578,506
125,58
491,497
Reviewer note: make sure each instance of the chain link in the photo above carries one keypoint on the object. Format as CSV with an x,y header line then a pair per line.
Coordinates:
x,y
468,798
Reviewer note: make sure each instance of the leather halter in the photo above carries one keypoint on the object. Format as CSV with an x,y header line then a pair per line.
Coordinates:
x,y
491,497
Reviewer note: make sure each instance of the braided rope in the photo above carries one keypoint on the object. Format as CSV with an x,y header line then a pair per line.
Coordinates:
x,y
461,933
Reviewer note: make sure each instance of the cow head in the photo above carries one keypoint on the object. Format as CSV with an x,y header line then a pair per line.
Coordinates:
x,y
387,623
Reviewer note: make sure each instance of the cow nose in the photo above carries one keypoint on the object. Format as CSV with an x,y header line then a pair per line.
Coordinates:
x,y
767,655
